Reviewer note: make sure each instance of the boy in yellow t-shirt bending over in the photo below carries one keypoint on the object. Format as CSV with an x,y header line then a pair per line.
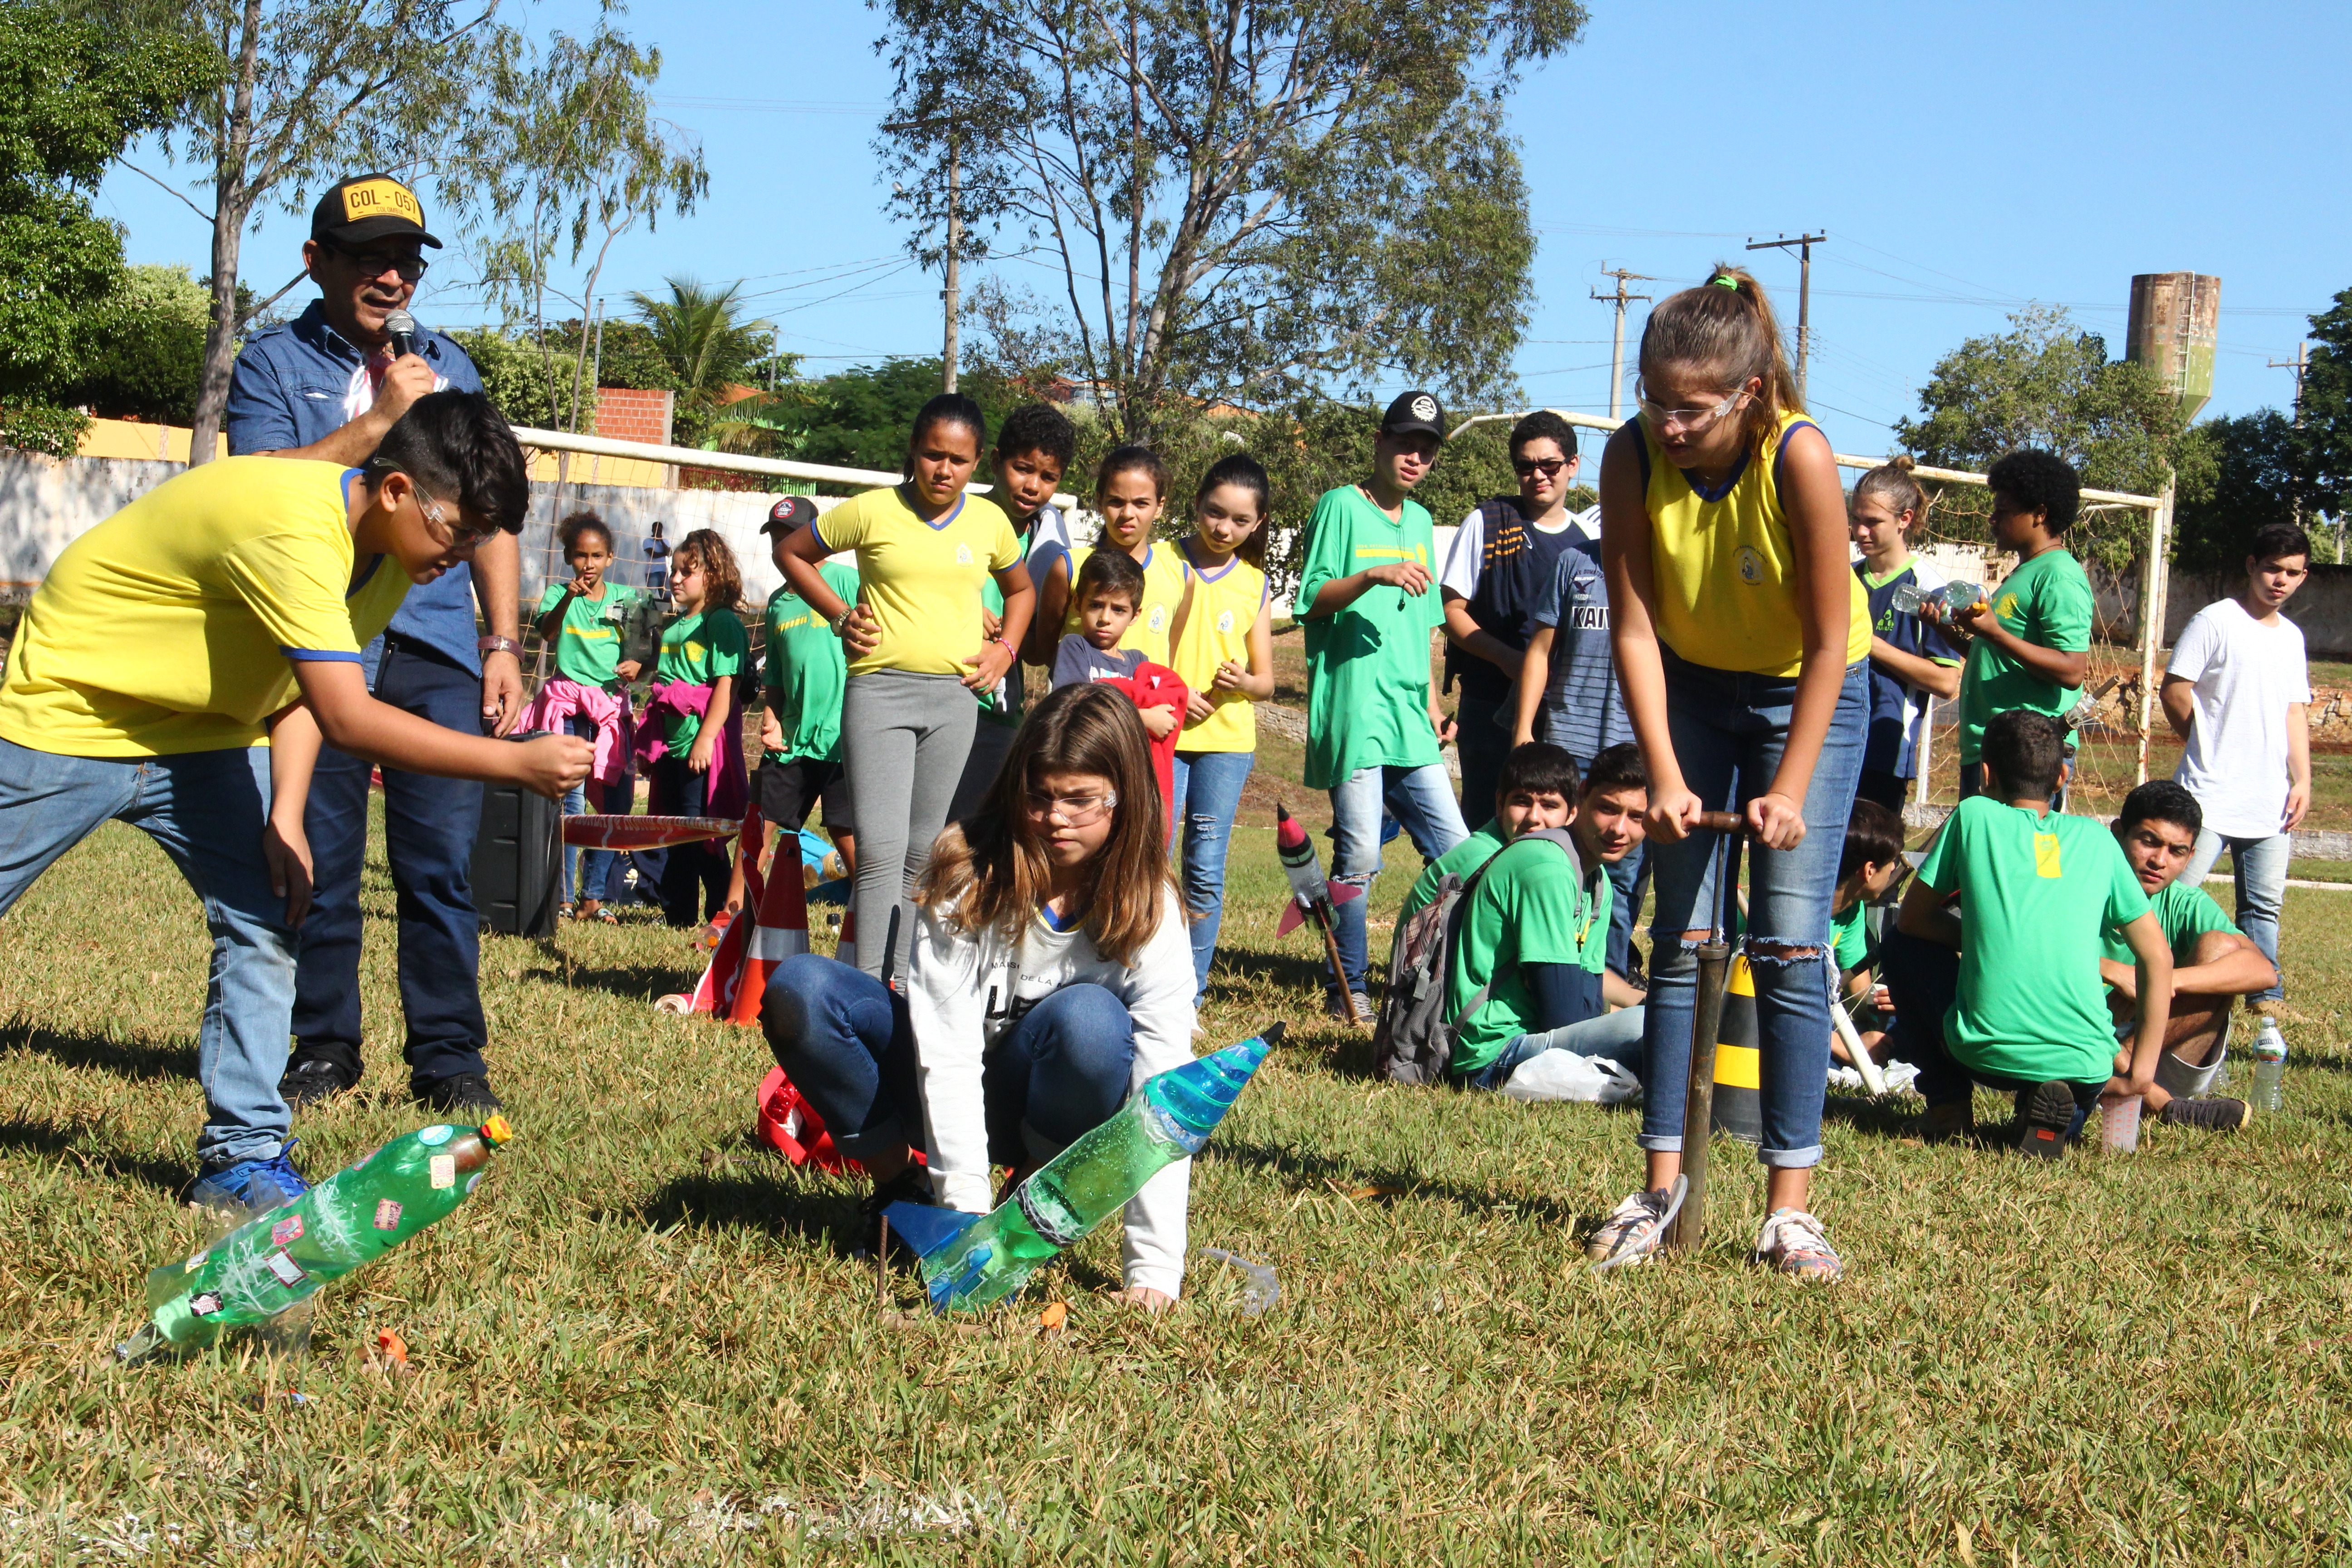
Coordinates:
x,y
226,605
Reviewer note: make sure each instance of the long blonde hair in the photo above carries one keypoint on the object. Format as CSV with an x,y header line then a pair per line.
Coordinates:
x,y
1725,332
991,872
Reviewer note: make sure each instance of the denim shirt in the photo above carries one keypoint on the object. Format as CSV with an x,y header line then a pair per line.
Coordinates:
x,y
295,384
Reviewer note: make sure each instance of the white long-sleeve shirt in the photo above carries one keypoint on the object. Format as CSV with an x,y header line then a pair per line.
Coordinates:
x,y
963,995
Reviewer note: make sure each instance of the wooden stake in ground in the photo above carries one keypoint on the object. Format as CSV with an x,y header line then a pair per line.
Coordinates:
x,y
1706,1027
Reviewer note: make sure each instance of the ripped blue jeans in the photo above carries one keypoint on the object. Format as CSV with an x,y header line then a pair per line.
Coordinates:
x,y
1729,732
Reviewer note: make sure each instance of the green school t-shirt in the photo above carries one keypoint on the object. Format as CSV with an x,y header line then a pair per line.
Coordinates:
x,y
588,645
1368,667
1850,936
2046,600
2038,894
697,649
2186,913
1532,907
1459,861
806,671
1015,696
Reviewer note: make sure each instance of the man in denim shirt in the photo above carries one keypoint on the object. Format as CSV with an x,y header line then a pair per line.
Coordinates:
x,y
327,386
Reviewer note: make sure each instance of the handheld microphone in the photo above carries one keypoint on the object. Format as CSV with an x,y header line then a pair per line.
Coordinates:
x,y
402,328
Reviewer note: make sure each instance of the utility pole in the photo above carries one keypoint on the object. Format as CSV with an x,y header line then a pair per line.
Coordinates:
x,y
1617,339
2299,364
949,295
1804,244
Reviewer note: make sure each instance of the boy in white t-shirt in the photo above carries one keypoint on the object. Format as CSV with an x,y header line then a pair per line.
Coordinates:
x,y
2236,692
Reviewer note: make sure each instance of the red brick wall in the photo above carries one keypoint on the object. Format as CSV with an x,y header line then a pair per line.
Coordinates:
x,y
627,413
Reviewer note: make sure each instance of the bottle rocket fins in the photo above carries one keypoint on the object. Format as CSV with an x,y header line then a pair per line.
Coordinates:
x,y
1342,891
926,1227
1293,914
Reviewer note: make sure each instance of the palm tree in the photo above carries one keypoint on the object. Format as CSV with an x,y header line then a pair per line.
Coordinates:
x,y
700,335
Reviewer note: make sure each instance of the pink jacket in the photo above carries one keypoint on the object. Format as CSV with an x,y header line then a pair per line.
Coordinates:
x,y
730,787
561,698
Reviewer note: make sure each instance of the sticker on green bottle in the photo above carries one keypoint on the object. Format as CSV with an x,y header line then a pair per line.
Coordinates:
x,y
286,1230
288,1272
445,1170
433,1137
387,1214
204,1305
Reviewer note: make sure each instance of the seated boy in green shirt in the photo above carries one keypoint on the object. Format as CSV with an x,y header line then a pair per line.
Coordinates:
x,y
1529,971
2214,963
2037,890
1868,868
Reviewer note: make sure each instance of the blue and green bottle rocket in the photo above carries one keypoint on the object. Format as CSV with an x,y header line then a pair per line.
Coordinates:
x,y
282,1256
971,1261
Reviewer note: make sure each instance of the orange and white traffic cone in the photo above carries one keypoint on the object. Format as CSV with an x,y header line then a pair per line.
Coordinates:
x,y
782,931
715,993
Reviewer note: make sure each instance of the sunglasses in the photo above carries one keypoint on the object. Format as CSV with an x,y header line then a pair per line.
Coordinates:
x,y
1547,467
376,263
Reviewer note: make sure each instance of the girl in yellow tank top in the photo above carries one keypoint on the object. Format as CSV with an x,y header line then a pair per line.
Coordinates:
x,y
1742,644
1225,655
1131,492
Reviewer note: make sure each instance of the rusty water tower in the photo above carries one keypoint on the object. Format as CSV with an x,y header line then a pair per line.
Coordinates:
x,y
2174,320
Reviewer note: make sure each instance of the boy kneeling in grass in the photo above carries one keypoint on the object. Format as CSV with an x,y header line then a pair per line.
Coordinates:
x,y
227,605
2037,891
1867,869
1530,971
2214,963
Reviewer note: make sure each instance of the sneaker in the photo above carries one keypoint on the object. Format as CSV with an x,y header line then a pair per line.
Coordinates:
x,y
911,1186
1792,1243
1952,1123
461,1093
1635,1228
313,1080
251,1186
1337,1009
2215,1115
2044,1114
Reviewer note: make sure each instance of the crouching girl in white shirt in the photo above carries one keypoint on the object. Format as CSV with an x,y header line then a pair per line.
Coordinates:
x,y
1051,975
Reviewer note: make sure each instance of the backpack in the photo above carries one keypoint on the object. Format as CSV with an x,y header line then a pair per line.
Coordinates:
x,y
1413,1041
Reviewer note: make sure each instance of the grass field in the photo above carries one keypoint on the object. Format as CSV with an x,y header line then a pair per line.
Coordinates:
x,y
645,1341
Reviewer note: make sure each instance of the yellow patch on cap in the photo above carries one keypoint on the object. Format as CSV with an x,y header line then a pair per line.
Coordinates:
x,y
381,198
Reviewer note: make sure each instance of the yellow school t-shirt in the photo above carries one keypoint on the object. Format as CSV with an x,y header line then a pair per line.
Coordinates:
x,y
1165,576
922,580
1724,570
172,626
1224,607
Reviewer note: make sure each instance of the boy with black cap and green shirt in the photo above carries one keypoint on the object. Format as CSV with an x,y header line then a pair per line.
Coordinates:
x,y
1374,726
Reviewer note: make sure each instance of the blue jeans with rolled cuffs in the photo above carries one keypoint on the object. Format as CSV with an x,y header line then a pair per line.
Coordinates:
x,y
206,810
1208,788
2260,867
1421,799
1730,731
845,1039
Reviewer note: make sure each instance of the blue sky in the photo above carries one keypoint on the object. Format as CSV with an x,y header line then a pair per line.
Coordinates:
x,y
1963,160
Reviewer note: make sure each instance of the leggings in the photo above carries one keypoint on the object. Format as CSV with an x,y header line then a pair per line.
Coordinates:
x,y
905,738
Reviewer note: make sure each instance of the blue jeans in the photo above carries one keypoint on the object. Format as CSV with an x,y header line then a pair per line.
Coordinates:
x,y
1422,801
1728,731
1208,791
206,809
429,826
846,1040
1481,745
589,870
693,877
2260,866
1616,1035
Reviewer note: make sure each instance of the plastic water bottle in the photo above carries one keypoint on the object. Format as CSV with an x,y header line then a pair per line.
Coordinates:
x,y
279,1259
2269,1065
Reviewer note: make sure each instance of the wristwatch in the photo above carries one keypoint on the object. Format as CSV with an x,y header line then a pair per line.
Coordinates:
x,y
498,645
842,619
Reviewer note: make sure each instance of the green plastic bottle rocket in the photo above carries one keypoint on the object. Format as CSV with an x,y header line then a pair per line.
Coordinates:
x,y
282,1257
973,1261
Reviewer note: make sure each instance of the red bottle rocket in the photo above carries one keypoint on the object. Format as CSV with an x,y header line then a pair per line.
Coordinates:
x,y
1311,897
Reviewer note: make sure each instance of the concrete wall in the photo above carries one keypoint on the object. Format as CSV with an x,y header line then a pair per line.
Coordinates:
x,y
2322,607
46,504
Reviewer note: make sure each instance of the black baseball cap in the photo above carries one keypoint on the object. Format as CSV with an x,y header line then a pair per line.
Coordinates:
x,y
369,206
791,512
1414,414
